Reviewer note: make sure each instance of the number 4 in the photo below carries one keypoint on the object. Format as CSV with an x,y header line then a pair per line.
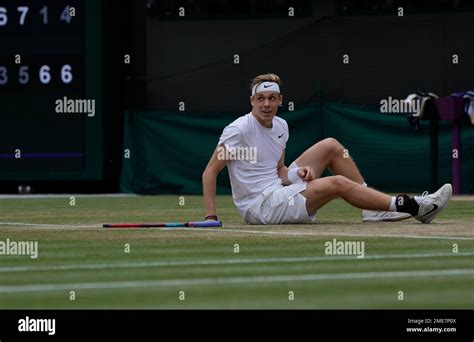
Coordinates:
x,y
66,15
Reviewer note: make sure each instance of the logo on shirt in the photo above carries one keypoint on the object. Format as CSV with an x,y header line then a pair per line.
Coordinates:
x,y
280,135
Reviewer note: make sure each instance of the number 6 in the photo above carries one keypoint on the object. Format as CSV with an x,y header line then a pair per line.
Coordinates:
x,y
44,74
3,16
66,74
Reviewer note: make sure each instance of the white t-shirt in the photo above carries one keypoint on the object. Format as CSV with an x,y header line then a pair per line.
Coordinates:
x,y
254,151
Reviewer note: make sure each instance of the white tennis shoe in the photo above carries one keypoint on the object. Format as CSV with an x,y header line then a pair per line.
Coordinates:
x,y
432,204
383,216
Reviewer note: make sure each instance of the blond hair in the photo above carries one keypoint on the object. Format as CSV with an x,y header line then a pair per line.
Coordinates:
x,y
266,78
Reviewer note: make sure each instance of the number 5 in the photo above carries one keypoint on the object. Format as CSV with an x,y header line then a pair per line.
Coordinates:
x,y
24,76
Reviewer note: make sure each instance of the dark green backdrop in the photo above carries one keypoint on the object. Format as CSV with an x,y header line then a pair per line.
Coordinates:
x,y
168,150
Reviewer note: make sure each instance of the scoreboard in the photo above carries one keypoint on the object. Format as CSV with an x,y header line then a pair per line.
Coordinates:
x,y
51,90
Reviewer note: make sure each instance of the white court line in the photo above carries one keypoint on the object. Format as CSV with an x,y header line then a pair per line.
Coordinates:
x,y
42,196
231,280
240,231
47,225
263,232
337,234
71,267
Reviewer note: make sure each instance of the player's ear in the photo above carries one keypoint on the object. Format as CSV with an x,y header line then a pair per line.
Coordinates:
x,y
281,100
251,100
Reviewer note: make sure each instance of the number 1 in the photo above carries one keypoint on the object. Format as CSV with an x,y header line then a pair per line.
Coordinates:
x,y
44,12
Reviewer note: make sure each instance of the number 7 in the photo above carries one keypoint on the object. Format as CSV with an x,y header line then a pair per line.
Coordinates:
x,y
23,10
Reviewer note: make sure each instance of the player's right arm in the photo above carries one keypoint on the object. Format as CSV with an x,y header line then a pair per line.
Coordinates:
x,y
209,179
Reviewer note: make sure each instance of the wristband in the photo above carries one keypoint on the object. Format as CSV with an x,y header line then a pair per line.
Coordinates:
x,y
293,176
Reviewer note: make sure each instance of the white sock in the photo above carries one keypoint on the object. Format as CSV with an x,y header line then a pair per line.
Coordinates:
x,y
418,199
393,207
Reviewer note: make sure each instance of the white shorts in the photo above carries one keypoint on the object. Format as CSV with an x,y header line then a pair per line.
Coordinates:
x,y
279,204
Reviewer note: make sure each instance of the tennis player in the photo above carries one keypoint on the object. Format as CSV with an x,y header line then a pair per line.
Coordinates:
x,y
267,192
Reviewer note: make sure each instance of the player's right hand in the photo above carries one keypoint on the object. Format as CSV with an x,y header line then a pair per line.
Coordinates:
x,y
306,173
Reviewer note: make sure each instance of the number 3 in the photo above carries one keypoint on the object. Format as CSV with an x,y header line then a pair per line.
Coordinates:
x,y
3,75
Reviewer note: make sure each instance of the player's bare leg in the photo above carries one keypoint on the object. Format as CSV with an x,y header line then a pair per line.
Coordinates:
x,y
329,153
320,191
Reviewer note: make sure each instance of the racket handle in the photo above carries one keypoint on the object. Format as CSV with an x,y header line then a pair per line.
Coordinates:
x,y
204,224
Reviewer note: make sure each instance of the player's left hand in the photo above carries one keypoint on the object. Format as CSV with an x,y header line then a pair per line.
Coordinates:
x,y
211,218
306,173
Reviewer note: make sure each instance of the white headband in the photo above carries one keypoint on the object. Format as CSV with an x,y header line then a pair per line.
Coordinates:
x,y
265,86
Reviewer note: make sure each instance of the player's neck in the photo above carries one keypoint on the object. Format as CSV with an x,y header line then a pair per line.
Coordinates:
x,y
265,124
